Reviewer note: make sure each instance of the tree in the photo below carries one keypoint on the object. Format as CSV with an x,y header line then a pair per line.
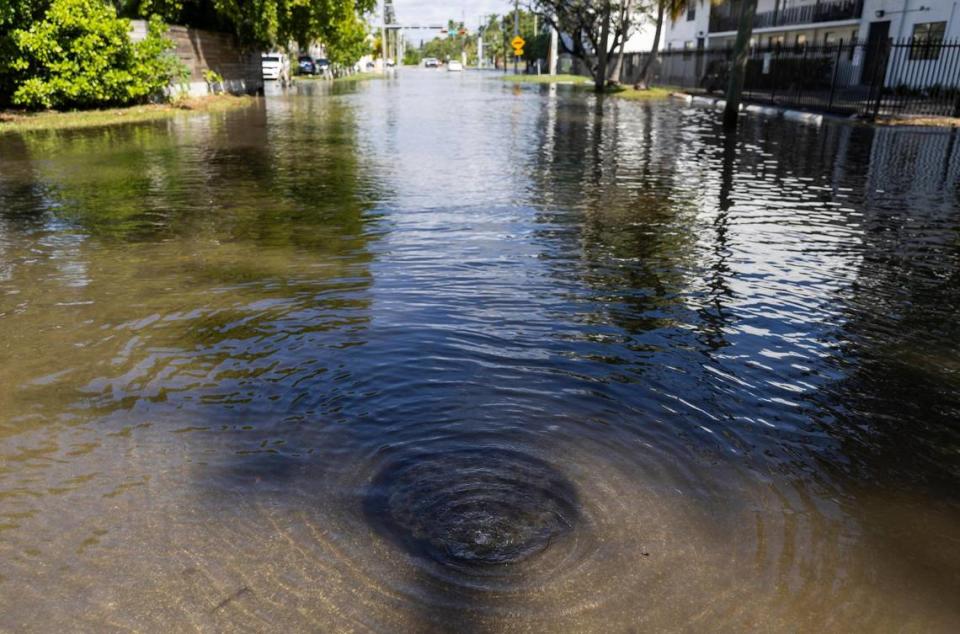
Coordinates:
x,y
81,55
451,46
596,28
673,9
271,22
627,16
495,34
411,56
738,67
14,15
339,24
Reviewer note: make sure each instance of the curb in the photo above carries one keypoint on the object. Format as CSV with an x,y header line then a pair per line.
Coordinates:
x,y
799,116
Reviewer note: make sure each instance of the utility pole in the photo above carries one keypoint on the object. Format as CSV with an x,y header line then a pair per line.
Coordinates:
x,y
535,36
383,36
516,32
553,51
480,47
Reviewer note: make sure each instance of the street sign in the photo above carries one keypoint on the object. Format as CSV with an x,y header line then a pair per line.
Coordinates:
x,y
517,42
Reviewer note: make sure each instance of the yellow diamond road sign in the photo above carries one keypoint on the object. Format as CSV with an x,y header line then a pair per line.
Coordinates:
x,y
517,44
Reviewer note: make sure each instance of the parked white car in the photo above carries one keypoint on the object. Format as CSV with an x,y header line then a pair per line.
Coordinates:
x,y
454,67
275,66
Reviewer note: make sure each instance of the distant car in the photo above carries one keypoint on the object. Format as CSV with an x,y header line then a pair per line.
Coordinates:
x,y
275,66
306,65
321,65
431,62
390,63
454,67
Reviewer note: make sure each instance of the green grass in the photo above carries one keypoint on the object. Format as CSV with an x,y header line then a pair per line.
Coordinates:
x,y
547,79
628,92
360,77
21,121
585,83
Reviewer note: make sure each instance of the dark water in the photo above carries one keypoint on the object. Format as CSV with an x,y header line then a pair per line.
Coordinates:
x,y
436,353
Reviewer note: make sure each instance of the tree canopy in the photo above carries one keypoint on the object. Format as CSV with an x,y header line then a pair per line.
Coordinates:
x,y
596,28
69,53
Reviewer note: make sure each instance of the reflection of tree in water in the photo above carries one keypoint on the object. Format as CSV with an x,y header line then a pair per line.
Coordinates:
x,y
215,255
613,217
897,406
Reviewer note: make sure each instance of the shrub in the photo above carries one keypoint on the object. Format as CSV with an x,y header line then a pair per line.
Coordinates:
x,y
80,55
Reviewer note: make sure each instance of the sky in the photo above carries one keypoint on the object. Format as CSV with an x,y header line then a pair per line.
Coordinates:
x,y
439,11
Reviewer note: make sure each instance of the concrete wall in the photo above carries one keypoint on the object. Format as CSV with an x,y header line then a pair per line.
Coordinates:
x,y
206,50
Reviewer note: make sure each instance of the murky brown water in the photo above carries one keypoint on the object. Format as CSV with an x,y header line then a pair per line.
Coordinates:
x,y
441,354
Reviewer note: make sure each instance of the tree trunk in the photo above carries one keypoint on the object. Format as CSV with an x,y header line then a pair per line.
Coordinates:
x,y
647,65
600,79
625,35
738,67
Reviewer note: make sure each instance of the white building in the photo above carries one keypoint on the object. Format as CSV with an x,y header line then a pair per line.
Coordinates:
x,y
796,24
793,22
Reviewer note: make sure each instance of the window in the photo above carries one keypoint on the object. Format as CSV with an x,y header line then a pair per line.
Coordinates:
x,y
801,41
775,41
691,10
927,39
687,48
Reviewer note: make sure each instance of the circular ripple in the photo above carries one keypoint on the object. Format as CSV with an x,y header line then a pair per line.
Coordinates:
x,y
477,507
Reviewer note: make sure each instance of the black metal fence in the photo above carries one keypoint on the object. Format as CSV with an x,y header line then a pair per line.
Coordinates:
x,y
867,79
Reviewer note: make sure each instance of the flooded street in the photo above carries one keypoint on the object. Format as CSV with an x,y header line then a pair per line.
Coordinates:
x,y
437,353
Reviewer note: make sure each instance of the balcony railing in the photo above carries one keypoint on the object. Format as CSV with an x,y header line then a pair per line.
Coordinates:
x,y
725,16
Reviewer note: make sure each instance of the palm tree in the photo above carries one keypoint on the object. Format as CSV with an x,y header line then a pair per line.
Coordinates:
x,y
672,8
738,69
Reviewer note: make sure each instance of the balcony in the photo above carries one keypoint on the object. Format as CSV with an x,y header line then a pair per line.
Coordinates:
x,y
725,16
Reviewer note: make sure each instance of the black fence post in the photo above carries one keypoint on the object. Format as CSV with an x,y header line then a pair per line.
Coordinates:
x,y
774,55
801,69
836,71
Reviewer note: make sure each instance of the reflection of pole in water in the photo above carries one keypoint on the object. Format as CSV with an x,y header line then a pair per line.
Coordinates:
x,y
948,157
717,282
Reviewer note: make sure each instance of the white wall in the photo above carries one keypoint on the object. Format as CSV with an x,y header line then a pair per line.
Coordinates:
x,y
678,34
902,15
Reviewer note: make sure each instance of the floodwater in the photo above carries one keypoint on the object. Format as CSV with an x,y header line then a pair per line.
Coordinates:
x,y
439,353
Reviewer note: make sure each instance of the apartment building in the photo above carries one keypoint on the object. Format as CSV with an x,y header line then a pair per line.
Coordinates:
x,y
799,22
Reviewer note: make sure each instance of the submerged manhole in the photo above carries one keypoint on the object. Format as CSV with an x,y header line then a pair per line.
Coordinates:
x,y
477,506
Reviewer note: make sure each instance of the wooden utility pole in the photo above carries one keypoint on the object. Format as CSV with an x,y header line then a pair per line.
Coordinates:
x,y
738,66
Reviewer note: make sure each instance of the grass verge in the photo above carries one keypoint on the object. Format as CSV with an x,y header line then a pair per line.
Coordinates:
x,y
547,79
21,121
585,83
359,77
935,122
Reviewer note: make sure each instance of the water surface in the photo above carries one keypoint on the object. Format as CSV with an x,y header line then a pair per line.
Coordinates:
x,y
437,353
